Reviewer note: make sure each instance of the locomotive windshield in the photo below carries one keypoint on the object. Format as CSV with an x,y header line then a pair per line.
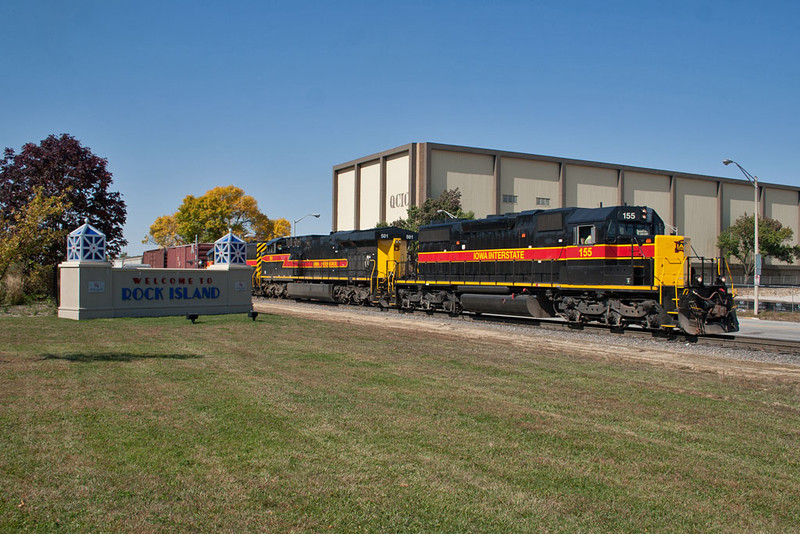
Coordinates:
x,y
629,229
635,223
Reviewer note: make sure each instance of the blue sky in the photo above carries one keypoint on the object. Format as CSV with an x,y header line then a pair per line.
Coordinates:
x,y
184,96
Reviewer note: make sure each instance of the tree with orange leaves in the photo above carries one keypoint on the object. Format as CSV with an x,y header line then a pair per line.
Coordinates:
x,y
208,217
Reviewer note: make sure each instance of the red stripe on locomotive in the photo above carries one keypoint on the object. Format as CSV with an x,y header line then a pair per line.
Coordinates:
x,y
551,253
306,264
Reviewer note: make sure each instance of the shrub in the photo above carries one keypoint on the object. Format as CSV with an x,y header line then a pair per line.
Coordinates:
x,y
22,285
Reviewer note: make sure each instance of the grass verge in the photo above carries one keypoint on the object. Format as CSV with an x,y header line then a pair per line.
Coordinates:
x,y
291,425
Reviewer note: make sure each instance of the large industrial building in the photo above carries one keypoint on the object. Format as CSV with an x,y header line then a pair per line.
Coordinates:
x,y
380,188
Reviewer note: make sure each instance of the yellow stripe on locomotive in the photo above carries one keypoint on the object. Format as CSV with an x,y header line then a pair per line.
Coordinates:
x,y
611,265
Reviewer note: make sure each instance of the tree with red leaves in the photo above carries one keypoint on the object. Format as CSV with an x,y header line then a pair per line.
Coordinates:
x,y
58,166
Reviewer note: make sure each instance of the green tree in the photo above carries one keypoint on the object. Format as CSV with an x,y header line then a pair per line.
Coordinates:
x,y
434,209
60,165
210,216
738,241
27,233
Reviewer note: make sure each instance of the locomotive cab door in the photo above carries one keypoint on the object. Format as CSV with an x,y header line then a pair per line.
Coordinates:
x,y
391,257
670,269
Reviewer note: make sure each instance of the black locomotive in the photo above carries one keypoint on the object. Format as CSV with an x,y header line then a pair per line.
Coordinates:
x,y
613,266
356,267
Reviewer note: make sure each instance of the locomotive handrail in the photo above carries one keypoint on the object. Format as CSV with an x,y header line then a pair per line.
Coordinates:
x,y
681,278
390,276
638,245
730,277
372,277
255,279
632,239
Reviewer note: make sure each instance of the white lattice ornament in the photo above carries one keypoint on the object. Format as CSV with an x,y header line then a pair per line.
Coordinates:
x,y
230,250
86,243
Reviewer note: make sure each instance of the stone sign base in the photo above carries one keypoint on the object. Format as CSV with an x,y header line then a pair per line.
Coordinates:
x,y
91,290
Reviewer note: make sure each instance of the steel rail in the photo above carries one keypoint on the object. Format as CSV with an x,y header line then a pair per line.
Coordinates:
x,y
779,346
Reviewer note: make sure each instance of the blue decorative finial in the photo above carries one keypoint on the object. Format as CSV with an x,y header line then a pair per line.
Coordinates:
x,y
230,250
86,243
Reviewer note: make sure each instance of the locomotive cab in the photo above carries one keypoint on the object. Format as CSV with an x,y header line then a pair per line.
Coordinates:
x,y
615,225
277,245
638,226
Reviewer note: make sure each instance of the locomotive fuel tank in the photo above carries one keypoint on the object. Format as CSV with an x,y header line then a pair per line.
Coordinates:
x,y
322,292
509,304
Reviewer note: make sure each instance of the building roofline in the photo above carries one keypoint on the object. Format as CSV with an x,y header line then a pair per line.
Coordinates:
x,y
554,159
374,157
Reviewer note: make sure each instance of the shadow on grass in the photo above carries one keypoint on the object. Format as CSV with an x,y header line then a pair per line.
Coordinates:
x,y
117,357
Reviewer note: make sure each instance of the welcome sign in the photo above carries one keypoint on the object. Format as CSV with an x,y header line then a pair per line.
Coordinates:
x,y
97,290
171,288
91,288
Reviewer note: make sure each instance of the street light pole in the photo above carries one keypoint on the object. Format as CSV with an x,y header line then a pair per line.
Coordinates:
x,y
757,261
294,224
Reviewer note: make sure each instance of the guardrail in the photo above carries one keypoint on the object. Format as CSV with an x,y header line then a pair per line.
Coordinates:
x,y
768,305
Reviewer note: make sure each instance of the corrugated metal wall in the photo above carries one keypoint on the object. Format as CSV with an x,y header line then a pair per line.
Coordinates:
x,y
528,185
472,174
493,181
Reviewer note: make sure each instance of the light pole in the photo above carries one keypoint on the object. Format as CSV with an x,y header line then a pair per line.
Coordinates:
x,y
757,267
294,224
447,213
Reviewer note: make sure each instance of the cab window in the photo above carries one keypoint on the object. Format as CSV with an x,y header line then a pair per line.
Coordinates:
x,y
585,235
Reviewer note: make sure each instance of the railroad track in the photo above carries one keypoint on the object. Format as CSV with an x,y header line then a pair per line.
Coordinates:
x,y
776,346
780,346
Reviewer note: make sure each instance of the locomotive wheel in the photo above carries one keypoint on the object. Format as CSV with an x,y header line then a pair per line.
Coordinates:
x,y
614,319
453,307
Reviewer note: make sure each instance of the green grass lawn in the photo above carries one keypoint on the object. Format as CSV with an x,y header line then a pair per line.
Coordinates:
x,y
291,425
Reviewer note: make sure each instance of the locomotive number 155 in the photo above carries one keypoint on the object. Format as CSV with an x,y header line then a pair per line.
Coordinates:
x,y
632,215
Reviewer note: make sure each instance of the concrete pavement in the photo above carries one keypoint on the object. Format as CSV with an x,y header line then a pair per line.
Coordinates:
x,y
769,329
